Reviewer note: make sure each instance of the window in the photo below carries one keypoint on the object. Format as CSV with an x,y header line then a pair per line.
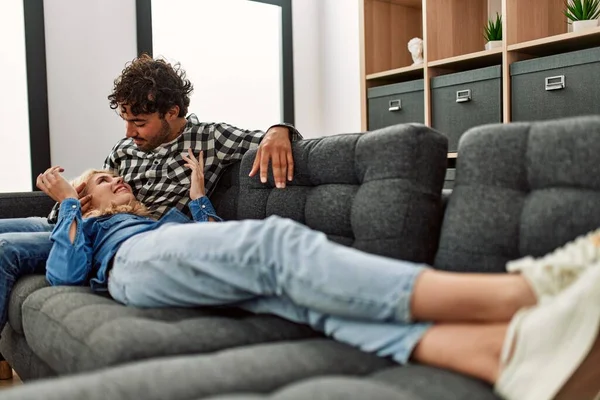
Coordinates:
x,y
21,95
237,53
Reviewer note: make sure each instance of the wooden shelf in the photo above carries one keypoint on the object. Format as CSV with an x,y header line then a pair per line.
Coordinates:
x,y
388,26
527,20
404,73
405,3
455,27
559,43
452,32
470,61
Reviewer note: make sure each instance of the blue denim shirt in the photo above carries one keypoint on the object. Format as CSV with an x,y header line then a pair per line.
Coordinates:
x,y
97,239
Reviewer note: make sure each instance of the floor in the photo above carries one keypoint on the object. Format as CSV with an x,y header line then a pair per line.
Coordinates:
x,y
7,383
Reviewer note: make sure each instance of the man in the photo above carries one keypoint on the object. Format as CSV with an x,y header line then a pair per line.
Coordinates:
x,y
152,97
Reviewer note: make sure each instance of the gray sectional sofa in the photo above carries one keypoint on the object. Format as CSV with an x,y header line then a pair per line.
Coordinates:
x,y
521,189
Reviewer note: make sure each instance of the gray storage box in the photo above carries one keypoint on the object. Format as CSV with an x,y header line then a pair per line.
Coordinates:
x,y
396,104
466,99
562,85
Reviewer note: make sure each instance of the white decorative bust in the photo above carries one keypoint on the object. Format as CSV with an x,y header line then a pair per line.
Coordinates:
x,y
415,46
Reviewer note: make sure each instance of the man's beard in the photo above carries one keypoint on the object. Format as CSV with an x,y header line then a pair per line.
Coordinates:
x,y
160,138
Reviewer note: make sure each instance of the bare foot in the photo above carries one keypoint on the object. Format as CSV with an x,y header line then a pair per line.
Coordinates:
x,y
596,240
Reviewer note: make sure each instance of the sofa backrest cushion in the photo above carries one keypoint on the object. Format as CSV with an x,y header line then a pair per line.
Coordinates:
x,y
226,192
25,204
521,189
379,191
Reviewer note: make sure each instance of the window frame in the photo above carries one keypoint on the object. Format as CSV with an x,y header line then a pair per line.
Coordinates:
x,y
37,88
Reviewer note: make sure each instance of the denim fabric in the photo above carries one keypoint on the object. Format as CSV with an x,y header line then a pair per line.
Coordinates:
x,y
202,209
273,266
24,248
31,224
98,238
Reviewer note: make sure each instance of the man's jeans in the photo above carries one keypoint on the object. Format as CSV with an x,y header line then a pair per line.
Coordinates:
x,y
24,248
274,266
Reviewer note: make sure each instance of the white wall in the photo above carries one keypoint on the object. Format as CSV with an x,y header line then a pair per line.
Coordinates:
x,y
340,66
308,99
326,66
494,6
87,45
15,161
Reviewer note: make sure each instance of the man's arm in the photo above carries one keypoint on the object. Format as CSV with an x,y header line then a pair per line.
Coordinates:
x,y
294,134
274,146
231,143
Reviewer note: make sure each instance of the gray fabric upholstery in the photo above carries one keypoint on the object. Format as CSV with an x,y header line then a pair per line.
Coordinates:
x,y
378,192
74,330
226,193
320,369
521,189
413,382
21,357
22,205
22,289
259,368
17,351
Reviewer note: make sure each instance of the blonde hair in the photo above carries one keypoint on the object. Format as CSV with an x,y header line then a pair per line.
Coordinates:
x,y
134,207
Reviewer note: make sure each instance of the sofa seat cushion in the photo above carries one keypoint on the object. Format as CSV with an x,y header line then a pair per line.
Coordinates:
x,y
299,370
25,362
413,382
521,189
73,330
25,286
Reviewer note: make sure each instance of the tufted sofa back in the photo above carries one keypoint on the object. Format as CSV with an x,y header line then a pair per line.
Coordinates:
x,y
521,189
379,192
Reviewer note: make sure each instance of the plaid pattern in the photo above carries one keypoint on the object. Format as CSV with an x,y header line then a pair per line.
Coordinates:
x,y
159,178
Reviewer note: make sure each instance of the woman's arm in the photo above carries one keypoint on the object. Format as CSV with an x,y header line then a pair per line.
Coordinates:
x,y
203,210
70,259
200,206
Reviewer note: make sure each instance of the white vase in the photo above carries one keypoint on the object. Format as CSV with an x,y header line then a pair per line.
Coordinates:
x,y
493,44
579,26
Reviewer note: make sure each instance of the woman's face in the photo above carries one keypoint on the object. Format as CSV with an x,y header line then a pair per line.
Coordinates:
x,y
107,190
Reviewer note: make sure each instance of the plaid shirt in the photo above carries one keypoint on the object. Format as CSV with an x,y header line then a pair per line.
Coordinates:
x,y
161,180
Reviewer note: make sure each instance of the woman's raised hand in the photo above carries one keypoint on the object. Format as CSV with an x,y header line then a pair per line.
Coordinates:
x,y
54,185
197,189
86,201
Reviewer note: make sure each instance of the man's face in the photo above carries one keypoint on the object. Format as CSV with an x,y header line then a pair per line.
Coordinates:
x,y
148,131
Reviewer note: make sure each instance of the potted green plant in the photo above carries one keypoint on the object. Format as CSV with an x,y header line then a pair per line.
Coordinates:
x,y
582,13
493,32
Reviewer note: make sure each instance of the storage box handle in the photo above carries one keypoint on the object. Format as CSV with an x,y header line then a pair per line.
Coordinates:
x,y
395,105
463,96
555,82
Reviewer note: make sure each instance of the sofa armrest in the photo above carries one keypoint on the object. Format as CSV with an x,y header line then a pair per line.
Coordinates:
x,y
25,204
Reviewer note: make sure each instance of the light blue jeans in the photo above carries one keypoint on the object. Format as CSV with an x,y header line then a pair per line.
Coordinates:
x,y
24,248
274,266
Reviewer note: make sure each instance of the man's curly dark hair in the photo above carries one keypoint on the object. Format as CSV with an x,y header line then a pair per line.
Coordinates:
x,y
148,86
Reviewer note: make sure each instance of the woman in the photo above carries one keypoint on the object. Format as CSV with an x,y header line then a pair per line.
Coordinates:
x,y
490,327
